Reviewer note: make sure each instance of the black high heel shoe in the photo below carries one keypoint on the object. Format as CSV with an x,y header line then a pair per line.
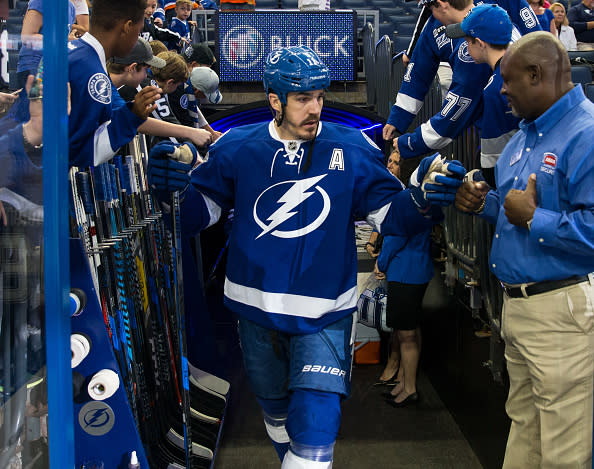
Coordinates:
x,y
392,381
410,399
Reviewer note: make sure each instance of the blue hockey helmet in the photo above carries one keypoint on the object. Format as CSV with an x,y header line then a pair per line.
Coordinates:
x,y
295,68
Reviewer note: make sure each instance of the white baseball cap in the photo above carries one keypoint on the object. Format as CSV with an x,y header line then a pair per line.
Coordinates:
x,y
206,80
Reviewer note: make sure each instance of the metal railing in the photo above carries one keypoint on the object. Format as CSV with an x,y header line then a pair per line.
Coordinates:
x,y
468,238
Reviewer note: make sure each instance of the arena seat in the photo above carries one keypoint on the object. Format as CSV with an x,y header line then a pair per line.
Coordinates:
x,y
400,42
405,29
574,55
581,74
391,11
386,29
403,19
378,4
267,4
589,90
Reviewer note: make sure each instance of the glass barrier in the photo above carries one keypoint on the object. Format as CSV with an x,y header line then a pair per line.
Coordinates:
x,y
23,373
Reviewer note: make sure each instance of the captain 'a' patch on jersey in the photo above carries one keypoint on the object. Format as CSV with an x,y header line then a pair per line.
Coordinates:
x,y
291,209
337,160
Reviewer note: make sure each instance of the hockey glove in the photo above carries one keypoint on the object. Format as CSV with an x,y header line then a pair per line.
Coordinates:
x,y
474,176
435,181
170,165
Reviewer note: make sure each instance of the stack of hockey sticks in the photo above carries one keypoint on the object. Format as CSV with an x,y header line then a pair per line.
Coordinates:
x,y
134,261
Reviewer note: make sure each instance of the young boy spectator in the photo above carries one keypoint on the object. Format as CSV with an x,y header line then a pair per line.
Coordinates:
x,y
488,31
152,31
180,24
168,78
95,131
206,84
183,100
199,55
166,11
131,71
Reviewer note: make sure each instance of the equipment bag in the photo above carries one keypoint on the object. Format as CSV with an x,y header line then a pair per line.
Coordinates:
x,y
371,306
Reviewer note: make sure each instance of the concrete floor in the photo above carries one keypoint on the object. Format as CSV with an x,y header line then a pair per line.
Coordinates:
x,y
372,434
459,423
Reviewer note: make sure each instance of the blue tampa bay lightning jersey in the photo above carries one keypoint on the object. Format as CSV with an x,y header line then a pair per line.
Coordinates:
x,y
497,123
292,263
460,103
95,131
464,95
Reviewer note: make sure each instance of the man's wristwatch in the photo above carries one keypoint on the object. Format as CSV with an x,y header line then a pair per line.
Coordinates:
x,y
529,224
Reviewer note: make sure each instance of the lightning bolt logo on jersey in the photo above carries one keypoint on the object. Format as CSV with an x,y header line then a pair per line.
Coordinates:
x,y
292,201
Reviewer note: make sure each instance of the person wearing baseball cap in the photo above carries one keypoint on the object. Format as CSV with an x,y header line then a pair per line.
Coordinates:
x,y
185,99
206,84
141,54
199,55
488,22
128,73
488,31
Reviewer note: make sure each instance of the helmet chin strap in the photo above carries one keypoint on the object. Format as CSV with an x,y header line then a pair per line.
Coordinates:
x,y
279,117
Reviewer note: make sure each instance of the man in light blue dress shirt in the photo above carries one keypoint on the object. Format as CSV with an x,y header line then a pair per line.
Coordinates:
x,y
543,253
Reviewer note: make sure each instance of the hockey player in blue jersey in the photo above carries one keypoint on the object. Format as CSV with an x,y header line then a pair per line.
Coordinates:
x,y
488,31
468,80
95,131
296,185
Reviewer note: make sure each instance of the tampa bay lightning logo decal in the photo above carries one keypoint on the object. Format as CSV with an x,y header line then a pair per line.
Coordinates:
x,y
183,101
100,88
96,418
292,197
463,54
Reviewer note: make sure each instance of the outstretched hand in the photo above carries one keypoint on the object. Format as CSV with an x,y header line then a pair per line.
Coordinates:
x,y
389,132
471,194
520,205
170,165
144,101
435,181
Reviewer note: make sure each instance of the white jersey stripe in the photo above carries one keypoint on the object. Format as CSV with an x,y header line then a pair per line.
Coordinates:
x,y
288,304
408,103
214,209
102,145
377,217
431,138
491,148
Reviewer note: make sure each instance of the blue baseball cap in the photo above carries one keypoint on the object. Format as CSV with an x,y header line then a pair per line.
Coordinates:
x,y
489,23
